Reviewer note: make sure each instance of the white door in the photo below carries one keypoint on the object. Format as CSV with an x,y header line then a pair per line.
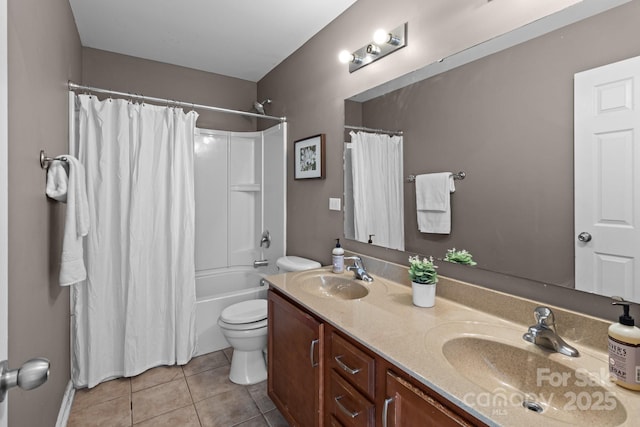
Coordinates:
x,y
607,179
3,197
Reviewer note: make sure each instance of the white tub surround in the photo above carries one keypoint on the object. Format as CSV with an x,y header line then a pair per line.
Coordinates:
x,y
240,194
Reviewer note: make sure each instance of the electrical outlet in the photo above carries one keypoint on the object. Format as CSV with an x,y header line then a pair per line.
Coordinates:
x,y
334,204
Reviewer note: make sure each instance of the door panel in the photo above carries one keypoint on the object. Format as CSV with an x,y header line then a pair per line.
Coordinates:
x,y
607,182
3,198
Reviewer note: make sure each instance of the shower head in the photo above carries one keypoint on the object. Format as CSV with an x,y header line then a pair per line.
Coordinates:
x,y
259,106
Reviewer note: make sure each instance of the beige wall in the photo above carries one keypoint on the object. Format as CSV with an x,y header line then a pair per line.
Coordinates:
x,y
44,52
135,75
312,86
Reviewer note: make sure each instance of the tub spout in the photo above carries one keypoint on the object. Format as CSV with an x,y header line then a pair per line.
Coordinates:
x,y
260,263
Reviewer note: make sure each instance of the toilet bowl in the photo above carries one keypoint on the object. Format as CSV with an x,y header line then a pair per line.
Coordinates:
x,y
244,325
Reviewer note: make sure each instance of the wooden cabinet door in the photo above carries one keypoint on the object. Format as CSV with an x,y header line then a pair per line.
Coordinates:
x,y
295,362
409,406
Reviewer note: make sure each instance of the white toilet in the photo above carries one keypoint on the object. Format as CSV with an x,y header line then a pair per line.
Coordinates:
x,y
244,325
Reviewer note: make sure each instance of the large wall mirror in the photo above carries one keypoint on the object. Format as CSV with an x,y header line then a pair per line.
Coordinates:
x,y
507,120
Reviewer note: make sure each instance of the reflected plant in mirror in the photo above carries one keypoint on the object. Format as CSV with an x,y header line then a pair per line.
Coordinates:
x,y
459,257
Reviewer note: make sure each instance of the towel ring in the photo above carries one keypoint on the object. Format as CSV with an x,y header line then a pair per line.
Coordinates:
x,y
45,161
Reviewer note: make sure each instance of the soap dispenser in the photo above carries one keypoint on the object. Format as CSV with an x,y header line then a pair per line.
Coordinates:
x,y
337,256
624,349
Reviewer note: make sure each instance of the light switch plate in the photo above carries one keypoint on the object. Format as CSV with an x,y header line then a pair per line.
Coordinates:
x,y
334,204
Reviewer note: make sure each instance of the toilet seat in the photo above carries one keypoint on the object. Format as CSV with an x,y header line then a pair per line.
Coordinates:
x,y
245,313
242,326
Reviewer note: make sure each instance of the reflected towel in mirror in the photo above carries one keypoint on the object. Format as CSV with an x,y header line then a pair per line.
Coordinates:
x,y
433,204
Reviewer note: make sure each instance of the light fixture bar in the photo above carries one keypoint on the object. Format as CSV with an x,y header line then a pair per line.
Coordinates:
x,y
373,51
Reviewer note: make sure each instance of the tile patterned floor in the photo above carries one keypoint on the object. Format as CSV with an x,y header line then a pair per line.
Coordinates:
x,y
198,394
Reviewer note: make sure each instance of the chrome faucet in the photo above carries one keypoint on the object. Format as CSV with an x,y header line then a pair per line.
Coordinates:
x,y
544,334
358,269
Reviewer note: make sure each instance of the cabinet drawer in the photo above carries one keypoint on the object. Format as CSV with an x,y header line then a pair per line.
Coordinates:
x,y
347,405
353,364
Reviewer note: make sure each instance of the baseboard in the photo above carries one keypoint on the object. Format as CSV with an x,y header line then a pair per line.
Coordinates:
x,y
65,407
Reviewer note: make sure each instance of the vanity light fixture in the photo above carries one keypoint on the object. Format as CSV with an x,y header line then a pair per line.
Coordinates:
x,y
346,57
384,43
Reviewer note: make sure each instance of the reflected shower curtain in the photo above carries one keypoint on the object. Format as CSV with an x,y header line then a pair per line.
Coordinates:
x,y
378,202
136,310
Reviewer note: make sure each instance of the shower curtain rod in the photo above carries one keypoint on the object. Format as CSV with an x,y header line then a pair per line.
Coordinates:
x,y
75,86
392,132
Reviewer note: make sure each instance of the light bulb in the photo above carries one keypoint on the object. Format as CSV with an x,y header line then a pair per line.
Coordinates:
x,y
345,56
381,36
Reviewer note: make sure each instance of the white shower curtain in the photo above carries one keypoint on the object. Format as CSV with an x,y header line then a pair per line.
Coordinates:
x,y
136,310
378,202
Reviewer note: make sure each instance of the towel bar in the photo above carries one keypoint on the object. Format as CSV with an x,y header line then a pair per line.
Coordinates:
x,y
44,160
457,176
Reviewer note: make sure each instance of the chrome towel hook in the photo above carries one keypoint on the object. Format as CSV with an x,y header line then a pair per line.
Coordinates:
x,y
46,161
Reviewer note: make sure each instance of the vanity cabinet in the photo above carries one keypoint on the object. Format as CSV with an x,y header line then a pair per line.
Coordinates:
x,y
295,362
319,376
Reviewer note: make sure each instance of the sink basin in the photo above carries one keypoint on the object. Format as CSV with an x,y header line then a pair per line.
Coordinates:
x,y
333,286
505,375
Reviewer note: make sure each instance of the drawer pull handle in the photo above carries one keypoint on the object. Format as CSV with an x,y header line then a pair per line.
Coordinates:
x,y
312,351
345,367
385,410
347,412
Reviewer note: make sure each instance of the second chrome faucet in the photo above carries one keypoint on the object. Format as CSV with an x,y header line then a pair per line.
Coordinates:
x,y
544,334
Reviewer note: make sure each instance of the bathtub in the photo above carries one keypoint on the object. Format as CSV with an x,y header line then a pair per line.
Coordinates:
x,y
216,290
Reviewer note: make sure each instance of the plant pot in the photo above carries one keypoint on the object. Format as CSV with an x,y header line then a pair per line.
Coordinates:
x,y
424,295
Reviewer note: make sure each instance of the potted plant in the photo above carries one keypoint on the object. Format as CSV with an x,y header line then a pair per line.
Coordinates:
x,y
424,277
459,257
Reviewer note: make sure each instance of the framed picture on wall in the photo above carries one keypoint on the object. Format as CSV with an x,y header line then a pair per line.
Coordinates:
x,y
309,157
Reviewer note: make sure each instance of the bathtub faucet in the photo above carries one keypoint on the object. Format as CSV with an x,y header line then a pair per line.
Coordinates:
x,y
260,263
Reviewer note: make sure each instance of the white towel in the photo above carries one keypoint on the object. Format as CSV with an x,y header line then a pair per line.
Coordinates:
x,y
57,181
433,204
76,225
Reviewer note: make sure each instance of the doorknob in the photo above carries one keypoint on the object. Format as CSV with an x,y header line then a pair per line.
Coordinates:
x,y
32,374
584,237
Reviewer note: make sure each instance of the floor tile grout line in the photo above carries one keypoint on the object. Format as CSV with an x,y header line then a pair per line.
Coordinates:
x,y
130,402
164,413
101,401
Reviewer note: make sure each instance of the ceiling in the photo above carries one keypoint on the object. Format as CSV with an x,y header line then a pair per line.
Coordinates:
x,y
238,38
